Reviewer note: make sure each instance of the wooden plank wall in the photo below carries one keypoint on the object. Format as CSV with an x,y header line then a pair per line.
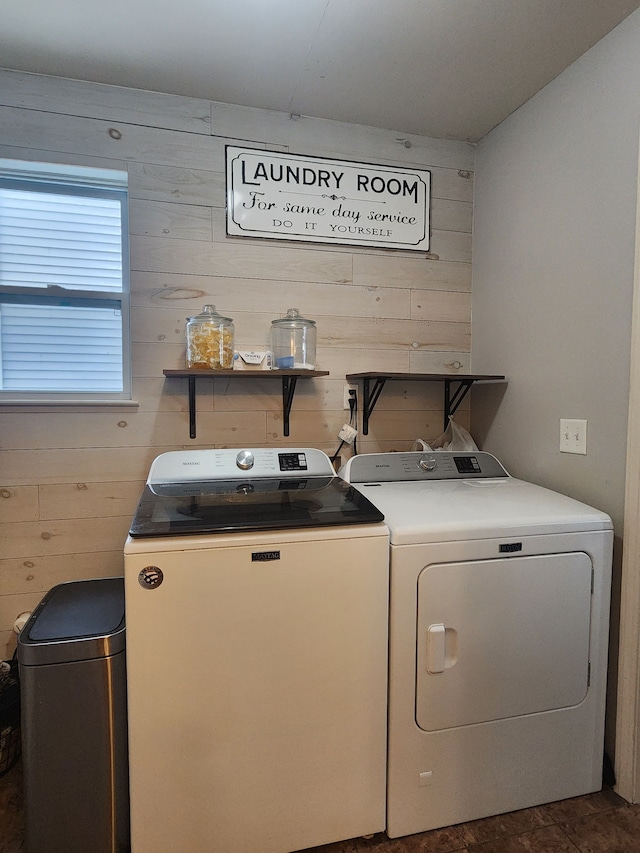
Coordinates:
x,y
70,477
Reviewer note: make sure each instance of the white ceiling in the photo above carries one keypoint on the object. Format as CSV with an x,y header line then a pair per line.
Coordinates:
x,y
444,68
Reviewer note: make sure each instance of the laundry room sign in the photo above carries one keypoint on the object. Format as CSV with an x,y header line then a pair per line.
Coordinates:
x,y
291,197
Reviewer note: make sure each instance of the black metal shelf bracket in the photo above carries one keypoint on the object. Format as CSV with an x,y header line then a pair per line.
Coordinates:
x,y
373,383
288,390
456,389
289,381
370,396
452,401
192,406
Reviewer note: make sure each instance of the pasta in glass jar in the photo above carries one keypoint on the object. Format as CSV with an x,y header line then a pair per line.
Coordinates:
x,y
210,340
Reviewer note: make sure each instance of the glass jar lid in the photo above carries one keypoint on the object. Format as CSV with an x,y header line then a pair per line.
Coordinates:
x,y
292,320
209,313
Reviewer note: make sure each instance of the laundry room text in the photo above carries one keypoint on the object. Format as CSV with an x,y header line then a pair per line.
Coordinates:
x,y
286,196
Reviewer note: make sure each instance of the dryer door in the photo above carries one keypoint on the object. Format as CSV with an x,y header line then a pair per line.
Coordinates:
x,y
501,638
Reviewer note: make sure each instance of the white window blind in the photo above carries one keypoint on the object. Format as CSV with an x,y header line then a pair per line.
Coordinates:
x,y
64,296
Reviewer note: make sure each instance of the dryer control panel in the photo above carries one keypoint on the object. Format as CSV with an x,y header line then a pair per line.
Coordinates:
x,y
436,465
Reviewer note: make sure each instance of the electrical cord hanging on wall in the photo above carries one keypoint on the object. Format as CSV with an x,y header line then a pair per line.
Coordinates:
x,y
353,420
337,453
349,432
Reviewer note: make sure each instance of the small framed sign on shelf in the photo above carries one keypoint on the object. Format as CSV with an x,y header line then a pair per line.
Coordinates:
x,y
292,197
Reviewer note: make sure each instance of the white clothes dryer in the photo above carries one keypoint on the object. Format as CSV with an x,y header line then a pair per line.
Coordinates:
x,y
499,611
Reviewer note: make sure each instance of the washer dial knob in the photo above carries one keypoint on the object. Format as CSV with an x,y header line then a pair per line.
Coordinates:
x,y
245,460
427,463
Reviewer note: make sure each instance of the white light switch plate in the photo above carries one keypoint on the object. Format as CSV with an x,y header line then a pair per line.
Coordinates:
x,y
573,436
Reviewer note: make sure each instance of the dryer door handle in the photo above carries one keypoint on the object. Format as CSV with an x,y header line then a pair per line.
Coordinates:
x,y
436,637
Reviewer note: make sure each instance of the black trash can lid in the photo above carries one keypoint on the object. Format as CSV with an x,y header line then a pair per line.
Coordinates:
x,y
75,621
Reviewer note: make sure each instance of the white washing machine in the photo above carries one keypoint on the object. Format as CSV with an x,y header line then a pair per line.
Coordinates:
x,y
499,610
256,588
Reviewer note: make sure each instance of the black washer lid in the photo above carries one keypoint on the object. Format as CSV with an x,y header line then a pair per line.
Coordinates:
x,y
79,620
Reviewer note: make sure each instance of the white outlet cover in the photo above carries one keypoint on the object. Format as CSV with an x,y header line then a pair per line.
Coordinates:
x,y
346,395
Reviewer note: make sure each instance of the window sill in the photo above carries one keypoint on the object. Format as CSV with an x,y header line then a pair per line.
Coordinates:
x,y
114,404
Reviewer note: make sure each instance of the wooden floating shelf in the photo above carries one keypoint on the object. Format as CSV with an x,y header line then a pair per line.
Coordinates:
x,y
289,379
451,400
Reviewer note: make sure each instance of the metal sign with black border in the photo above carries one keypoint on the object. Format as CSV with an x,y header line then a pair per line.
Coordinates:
x,y
313,199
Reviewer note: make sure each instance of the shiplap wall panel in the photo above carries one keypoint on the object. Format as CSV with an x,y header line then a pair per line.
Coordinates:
x,y
176,184
150,359
440,305
414,272
451,184
309,428
163,219
240,259
19,504
231,395
333,331
399,396
450,246
429,428
73,475
187,294
337,331
38,574
342,360
312,395
56,465
384,425
338,139
99,138
62,536
449,215
139,429
88,500
439,362
98,100
166,394
43,155
398,334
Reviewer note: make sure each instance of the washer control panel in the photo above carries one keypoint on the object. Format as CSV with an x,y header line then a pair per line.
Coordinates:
x,y
293,461
180,466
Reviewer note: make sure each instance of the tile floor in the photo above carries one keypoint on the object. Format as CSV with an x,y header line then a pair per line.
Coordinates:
x,y
595,823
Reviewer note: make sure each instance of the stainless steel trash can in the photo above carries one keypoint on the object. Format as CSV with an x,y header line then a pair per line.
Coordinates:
x,y
71,656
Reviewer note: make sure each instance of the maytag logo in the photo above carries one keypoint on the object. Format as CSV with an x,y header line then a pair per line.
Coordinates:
x,y
190,463
264,556
510,547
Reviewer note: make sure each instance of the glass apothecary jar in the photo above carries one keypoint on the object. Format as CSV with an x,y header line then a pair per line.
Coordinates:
x,y
210,340
293,342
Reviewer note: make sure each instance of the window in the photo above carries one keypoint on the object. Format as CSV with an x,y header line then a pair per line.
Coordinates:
x,y
64,284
